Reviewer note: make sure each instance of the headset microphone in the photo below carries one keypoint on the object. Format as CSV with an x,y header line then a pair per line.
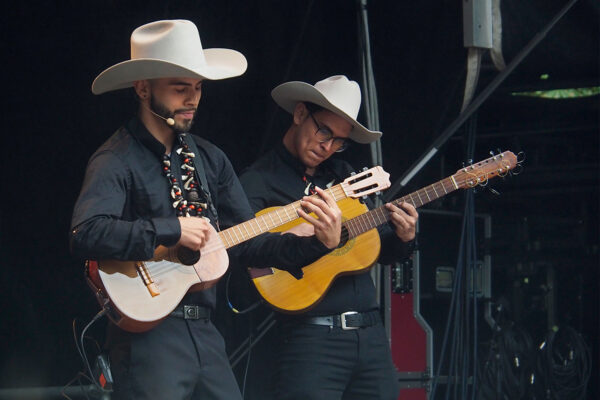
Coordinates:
x,y
170,121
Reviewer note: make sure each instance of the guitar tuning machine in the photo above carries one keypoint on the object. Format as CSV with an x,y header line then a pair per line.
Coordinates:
x,y
352,173
365,169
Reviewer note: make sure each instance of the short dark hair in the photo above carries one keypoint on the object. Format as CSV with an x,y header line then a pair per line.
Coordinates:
x,y
312,107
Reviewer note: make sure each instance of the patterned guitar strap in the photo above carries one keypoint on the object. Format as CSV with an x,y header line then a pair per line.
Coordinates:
x,y
194,198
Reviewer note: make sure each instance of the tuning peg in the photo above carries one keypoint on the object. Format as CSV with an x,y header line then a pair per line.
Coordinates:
x,y
378,193
352,173
365,169
492,153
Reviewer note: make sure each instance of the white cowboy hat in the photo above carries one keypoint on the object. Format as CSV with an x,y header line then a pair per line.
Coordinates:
x,y
168,49
336,94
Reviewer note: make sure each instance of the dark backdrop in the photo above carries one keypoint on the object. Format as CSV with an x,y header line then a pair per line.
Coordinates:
x,y
52,123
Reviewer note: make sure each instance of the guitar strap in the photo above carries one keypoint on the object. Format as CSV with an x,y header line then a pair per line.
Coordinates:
x,y
201,176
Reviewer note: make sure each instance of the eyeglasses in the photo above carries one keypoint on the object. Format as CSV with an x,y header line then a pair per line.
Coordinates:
x,y
323,135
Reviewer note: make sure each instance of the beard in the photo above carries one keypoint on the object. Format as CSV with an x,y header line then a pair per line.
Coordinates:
x,y
160,109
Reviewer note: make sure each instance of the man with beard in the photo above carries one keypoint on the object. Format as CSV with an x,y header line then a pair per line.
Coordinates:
x,y
152,183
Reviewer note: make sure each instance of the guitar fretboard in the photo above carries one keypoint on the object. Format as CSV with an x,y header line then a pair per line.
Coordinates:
x,y
380,215
273,219
467,177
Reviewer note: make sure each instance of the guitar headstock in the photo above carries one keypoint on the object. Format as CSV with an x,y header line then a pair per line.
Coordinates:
x,y
480,173
366,182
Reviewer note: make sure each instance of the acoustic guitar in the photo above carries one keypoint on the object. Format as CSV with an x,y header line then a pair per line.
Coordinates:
x,y
360,244
138,294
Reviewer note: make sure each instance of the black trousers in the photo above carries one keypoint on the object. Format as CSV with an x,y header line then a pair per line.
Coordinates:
x,y
179,359
318,362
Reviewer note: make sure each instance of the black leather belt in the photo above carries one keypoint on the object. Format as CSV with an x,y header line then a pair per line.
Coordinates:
x,y
347,320
191,311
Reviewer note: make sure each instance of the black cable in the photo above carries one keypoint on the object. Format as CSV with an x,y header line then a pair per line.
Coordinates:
x,y
81,349
507,371
235,310
565,364
449,320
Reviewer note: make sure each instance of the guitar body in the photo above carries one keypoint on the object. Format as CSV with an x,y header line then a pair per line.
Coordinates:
x,y
290,295
137,305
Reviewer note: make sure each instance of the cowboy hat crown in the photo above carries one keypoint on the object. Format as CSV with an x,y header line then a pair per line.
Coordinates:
x,y
167,49
336,94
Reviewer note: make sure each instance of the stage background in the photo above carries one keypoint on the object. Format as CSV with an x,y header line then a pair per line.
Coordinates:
x,y
51,124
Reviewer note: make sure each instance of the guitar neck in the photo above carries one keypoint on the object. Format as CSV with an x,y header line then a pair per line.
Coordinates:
x,y
379,216
273,219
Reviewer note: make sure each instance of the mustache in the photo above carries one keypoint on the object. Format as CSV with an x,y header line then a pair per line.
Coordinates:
x,y
186,110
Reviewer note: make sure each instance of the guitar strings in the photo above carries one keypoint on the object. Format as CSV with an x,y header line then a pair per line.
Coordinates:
x,y
157,269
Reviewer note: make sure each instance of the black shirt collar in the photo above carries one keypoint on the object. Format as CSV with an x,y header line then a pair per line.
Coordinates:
x,y
139,131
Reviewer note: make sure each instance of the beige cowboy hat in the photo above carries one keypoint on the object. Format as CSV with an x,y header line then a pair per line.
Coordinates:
x,y
167,49
336,94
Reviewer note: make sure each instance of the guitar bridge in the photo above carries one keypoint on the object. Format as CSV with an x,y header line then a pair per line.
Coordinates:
x,y
148,282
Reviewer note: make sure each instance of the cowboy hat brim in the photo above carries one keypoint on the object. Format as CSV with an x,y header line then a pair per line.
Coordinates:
x,y
220,64
288,94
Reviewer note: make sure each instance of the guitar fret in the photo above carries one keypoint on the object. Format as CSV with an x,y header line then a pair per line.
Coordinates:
x,y
230,241
352,228
235,233
380,215
294,214
246,229
435,191
419,196
271,218
262,219
374,221
250,224
444,187
427,194
362,224
279,215
339,196
454,181
363,227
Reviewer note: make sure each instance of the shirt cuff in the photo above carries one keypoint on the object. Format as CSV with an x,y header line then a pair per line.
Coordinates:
x,y
168,230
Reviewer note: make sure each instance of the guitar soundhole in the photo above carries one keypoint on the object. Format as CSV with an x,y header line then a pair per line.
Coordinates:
x,y
188,256
344,237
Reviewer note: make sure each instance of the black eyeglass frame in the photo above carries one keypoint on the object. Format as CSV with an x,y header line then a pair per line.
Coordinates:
x,y
327,135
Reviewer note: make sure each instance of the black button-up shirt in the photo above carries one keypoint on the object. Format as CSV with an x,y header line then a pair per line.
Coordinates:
x,y
277,179
124,210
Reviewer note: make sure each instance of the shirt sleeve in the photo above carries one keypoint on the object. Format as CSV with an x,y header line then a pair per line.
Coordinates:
x,y
99,228
257,197
287,252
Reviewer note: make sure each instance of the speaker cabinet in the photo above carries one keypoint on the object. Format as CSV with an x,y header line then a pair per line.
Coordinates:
x,y
420,295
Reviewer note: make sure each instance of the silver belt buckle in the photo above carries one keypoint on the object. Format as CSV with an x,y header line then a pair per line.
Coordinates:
x,y
343,320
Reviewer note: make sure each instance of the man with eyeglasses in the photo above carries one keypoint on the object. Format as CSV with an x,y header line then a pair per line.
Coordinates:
x,y
319,356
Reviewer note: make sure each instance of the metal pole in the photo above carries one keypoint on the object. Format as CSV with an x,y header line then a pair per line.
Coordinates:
x,y
485,93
